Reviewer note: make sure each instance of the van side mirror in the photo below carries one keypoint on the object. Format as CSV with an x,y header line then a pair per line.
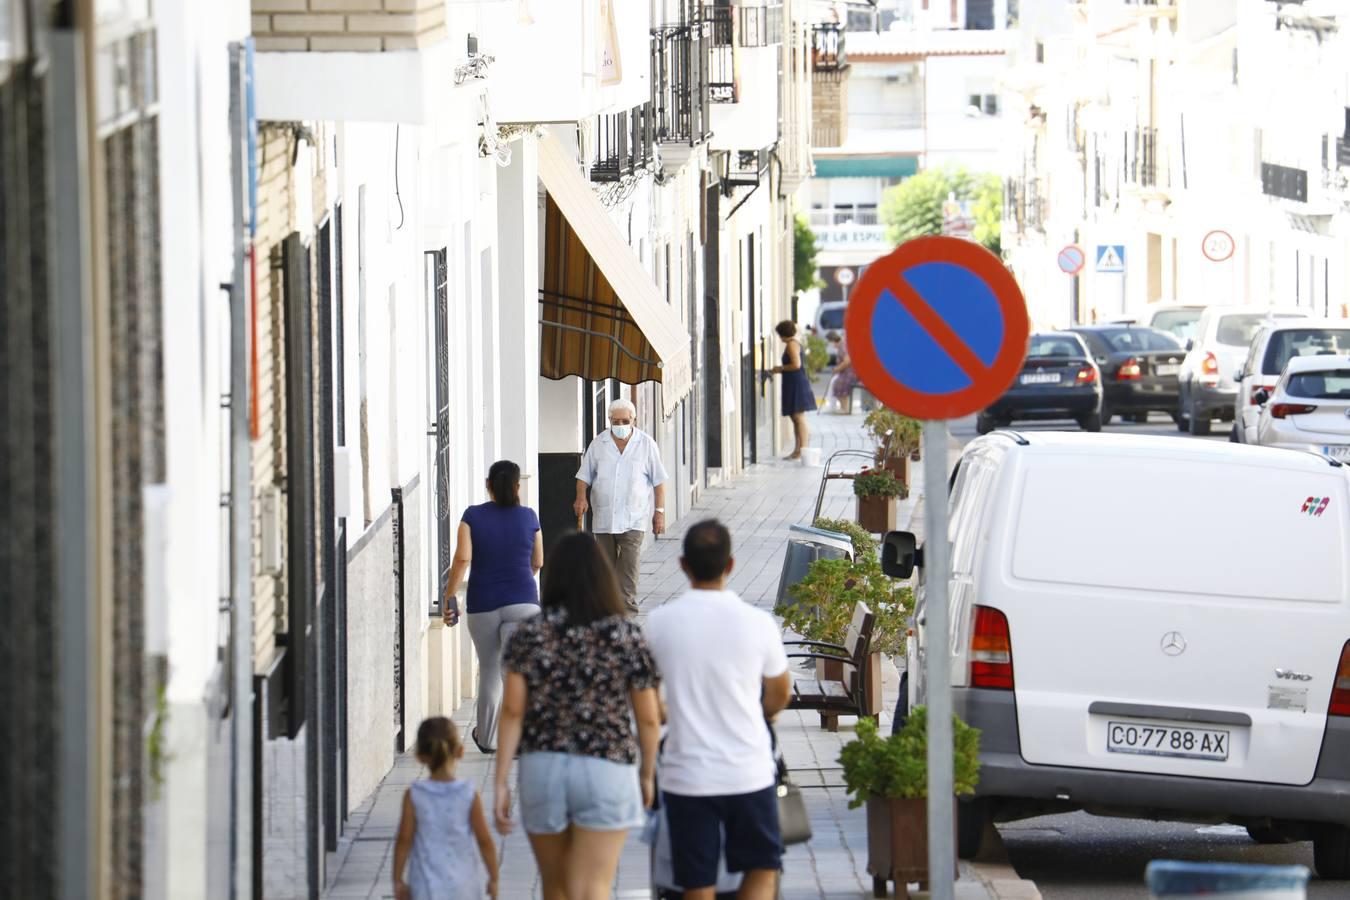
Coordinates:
x,y
1239,376
1190,344
1261,397
900,554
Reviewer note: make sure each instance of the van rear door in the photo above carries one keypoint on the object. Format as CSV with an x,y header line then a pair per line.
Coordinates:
x,y
1149,646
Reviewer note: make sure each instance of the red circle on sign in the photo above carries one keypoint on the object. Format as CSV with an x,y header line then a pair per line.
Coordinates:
x,y
1068,254
988,383
1220,256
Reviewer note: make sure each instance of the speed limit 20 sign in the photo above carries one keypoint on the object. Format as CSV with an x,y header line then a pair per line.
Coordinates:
x,y
1218,246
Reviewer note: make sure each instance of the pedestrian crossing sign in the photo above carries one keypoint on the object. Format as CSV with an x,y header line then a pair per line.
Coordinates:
x,y
1111,258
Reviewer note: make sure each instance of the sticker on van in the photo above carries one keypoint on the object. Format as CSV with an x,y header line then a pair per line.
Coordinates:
x,y
1315,506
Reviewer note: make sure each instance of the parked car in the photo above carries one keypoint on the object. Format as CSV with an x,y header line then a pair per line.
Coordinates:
x,y
1208,381
1138,368
1181,321
1310,407
1274,345
830,317
1155,674
1059,380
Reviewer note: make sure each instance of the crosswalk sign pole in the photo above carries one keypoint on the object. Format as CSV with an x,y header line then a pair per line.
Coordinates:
x,y
938,664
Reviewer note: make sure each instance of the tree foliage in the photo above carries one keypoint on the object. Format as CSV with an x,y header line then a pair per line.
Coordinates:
x,y
913,208
804,252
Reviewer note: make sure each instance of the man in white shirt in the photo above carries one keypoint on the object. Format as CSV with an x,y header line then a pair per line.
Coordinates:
x,y
724,672
623,469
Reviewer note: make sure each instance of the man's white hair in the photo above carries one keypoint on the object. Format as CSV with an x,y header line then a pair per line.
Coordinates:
x,y
622,405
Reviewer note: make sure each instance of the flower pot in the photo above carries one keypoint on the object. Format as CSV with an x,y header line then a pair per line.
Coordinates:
x,y
876,514
899,467
897,843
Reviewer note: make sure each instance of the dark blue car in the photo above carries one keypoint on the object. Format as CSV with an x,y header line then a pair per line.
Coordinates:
x,y
1059,380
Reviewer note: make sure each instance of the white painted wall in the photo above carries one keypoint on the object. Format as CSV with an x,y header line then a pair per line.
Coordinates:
x,y
953,134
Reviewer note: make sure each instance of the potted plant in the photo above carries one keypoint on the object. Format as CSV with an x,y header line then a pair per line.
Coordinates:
x,y
890,777
877,490
820,606
864,545
897,440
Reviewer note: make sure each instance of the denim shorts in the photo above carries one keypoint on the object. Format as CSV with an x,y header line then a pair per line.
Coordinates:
x,y
562,789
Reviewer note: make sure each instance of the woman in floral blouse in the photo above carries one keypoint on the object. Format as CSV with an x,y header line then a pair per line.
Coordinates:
x,y
575,675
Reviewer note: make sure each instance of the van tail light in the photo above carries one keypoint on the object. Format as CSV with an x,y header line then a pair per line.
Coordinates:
x,y
991,664
1340,688
1283,410
1209,370
1087,375
1129,370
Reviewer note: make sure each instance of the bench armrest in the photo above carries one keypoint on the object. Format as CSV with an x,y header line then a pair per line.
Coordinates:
x,y
838,647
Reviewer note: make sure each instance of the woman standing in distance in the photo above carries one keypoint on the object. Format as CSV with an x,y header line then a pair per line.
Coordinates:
x,y
502,540
576,678
798,398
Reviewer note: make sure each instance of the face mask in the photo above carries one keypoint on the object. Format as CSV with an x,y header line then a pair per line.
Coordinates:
x,y
621,432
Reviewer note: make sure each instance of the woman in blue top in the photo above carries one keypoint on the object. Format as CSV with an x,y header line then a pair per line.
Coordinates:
x,y
501,539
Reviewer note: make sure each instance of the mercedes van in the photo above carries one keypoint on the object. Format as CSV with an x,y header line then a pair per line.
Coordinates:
x,y
1150,668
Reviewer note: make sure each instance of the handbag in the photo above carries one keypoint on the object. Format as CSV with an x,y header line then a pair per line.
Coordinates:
x,y
794,825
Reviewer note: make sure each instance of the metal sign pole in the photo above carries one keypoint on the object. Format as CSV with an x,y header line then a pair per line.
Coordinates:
x,y
937,566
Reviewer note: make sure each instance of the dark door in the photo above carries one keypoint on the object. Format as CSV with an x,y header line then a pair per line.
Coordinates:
x,y
749,379
712,333
438,274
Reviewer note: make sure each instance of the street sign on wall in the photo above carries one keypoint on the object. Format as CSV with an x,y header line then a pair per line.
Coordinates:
x,y
1218,245
1111,259
1071,259
937,329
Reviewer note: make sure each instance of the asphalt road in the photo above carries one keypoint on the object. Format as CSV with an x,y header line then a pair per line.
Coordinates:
x,y
1081,856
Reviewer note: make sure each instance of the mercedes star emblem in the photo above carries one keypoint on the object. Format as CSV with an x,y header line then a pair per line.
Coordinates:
x,y
1173,644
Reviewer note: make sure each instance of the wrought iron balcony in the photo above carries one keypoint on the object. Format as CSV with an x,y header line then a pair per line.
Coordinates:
x,y
1024,204
732,27
625,143
1139,157
680,84
745,168
827,47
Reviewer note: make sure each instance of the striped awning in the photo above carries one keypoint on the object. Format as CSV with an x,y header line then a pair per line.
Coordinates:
x,y
601,315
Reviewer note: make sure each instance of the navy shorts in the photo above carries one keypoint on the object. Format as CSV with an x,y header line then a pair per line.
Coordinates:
x,y
749,823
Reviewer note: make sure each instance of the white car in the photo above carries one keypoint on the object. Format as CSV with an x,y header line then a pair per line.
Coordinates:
x,y
1214,357
1272,348
1310,407
1146,670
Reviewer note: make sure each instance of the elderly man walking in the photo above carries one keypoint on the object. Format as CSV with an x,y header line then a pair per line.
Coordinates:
x,y
622,467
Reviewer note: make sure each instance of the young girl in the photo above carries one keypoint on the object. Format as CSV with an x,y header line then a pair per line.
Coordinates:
x,y
438,813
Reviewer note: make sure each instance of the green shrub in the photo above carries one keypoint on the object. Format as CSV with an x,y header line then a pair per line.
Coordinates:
x,y
907,433
822,603
896,767
864,545
878,483
817,355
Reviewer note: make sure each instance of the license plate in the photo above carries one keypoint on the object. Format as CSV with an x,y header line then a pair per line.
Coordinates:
x,y
1167,740
1041,378
1338,451
1169,368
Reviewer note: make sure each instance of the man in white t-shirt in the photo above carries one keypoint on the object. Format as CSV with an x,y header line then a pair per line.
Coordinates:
x,y
724,672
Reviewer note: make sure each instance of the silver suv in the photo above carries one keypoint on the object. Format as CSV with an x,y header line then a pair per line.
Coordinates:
x,y
1209,387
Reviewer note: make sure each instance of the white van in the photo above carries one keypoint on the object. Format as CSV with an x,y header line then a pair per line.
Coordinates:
x,y
1143,668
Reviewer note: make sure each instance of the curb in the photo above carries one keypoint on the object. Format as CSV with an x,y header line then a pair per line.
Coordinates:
x,y
1003,883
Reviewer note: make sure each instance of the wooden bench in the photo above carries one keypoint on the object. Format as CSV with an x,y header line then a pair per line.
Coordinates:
x,y
841,683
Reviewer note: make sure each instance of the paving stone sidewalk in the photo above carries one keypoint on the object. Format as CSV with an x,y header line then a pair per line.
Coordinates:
x,y
758,507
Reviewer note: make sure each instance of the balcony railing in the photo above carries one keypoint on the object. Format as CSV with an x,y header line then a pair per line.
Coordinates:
x,y
680,84
827,47
731,27
1139,157
625,144
827,218
1024,204
745,168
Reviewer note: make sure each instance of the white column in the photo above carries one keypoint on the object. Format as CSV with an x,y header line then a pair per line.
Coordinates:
x,y
518,309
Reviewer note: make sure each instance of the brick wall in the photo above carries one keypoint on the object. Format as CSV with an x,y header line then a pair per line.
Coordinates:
x,y
369,25
829,108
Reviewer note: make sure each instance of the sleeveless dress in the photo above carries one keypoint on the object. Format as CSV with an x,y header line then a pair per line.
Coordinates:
x,y
797,393
443,864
